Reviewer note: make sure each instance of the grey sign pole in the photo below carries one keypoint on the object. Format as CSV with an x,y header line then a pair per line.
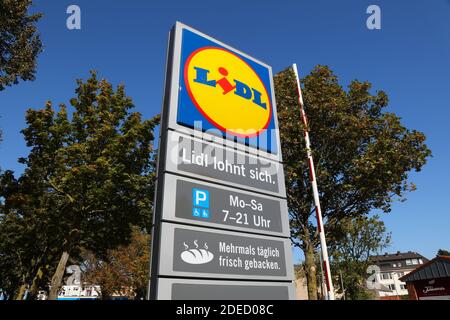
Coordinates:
x,y
159,185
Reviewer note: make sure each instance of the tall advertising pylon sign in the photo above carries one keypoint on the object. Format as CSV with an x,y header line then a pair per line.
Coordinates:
x,y
220,226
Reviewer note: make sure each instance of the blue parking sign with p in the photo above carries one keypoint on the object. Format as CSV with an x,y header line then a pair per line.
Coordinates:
x,y
200,203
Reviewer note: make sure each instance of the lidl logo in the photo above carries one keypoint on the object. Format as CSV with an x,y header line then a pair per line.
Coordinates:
x,y
227,91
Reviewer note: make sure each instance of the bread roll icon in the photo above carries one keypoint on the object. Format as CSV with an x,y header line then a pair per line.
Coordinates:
x,y
196,256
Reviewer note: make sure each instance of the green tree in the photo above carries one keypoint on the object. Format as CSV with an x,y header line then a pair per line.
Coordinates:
x,y
442,252
356,240
88,179
362,154
29,245
19,42
10,253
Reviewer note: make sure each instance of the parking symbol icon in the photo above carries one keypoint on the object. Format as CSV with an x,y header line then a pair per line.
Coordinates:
x,y
200,203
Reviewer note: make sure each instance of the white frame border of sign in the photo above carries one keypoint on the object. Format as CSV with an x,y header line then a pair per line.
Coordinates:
x,y
169,205
162,262
174,90
166,258
165,286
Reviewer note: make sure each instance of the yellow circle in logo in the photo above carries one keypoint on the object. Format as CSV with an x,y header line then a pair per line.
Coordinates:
x,y
227,91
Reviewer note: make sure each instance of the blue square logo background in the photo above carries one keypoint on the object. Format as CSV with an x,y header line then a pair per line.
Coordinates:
x,y
188,114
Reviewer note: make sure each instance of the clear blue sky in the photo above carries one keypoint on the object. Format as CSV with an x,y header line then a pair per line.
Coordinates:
x,y
125,41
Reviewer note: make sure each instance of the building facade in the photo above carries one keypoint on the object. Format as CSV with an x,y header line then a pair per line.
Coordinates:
x,y
390,268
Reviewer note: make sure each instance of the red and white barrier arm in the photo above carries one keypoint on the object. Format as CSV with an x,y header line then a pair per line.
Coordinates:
x,y
312,178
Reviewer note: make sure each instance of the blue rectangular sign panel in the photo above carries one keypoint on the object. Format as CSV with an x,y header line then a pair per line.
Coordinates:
x,y
225,93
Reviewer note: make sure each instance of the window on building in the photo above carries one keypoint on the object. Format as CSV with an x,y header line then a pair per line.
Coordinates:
x,y
402,287
408,262
391,286
420,261
415,261
399,264
394,265
386,276
401,274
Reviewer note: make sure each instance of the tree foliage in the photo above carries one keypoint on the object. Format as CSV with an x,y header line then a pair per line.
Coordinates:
x,y
124,270
25,247
88,179
443,252
363,154
19,42
357,239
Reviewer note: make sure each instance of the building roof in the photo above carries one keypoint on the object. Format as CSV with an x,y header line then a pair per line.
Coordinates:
x,y
438,267
397,256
